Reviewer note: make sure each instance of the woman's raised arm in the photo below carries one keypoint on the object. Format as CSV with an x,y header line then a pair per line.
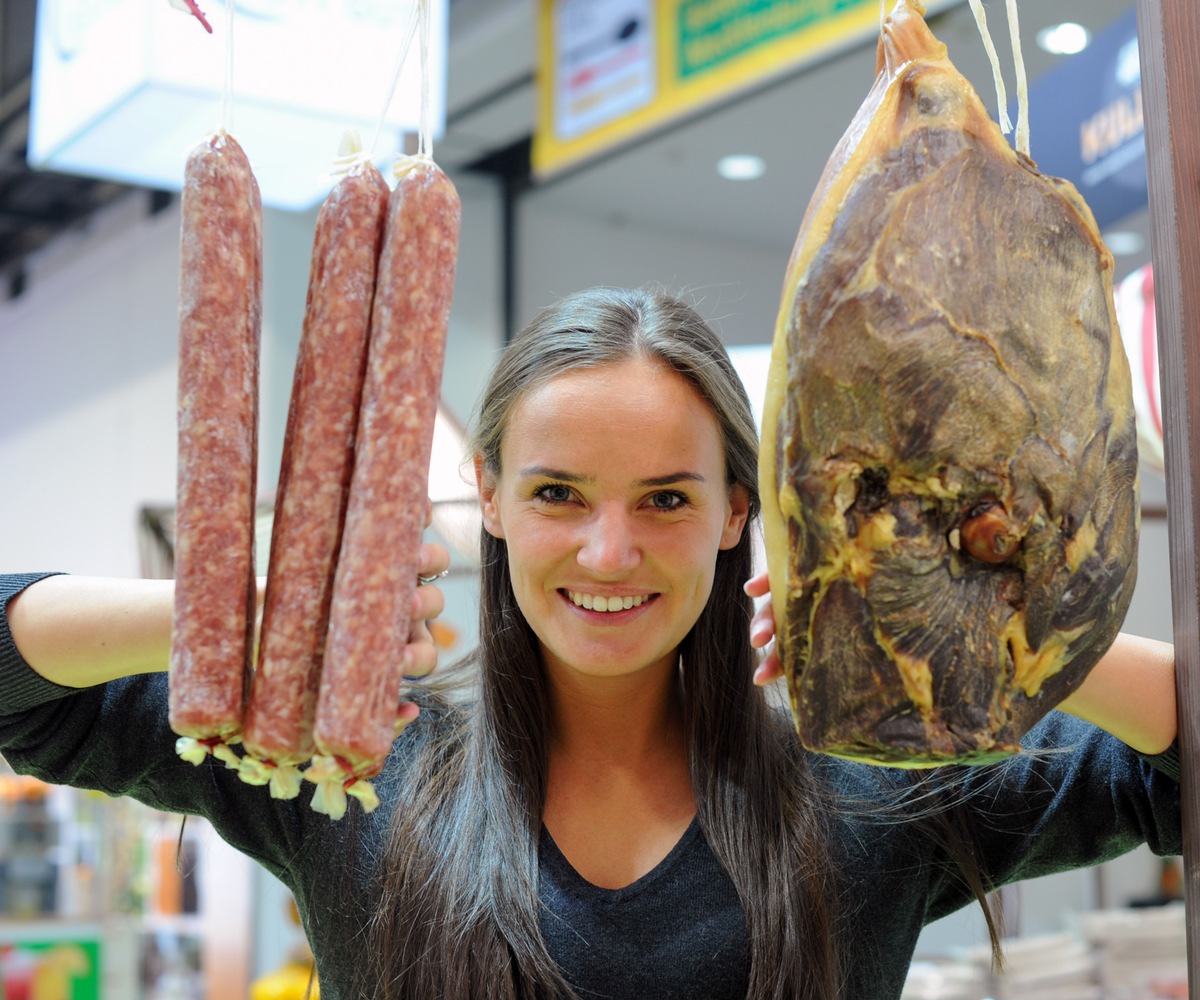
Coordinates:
x,y
78,631
1131,693
82,630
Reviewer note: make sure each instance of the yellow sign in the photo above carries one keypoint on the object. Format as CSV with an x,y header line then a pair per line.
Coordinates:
x,y
613,69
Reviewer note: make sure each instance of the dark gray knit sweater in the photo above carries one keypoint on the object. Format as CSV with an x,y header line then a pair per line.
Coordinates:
x,y
676,933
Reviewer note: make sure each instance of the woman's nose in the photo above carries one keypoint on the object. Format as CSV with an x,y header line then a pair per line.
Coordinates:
x,y
609,546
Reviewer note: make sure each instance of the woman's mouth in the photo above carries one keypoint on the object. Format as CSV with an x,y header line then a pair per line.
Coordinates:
x,y
607,603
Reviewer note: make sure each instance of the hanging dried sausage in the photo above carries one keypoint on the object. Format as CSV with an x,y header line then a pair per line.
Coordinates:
x,y
314,479
370,616
220,306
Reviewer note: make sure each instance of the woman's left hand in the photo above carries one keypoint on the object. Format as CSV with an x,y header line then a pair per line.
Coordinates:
x,y
762,632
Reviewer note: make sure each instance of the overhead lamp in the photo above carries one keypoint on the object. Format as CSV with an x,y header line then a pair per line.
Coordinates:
x,y
123,89
1066,39
741,167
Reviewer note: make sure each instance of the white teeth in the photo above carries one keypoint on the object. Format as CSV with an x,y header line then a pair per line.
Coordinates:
x,y
597,602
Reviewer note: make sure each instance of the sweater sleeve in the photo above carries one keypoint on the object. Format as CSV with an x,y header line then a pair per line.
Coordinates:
x,y
115,738
20,687
1074,797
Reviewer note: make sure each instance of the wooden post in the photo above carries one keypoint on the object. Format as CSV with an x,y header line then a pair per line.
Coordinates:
x,y
1169,41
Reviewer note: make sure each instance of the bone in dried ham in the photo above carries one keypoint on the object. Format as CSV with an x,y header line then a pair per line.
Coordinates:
x,y
949,460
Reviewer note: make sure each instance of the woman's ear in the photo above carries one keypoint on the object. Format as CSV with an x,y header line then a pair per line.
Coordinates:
x,y
487,498
739,513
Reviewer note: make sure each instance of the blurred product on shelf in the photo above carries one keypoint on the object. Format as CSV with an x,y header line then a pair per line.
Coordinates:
x,y
106,899
1139,333
293,979
1045,967
49,969
946,979
289,982
1137,953
1140,953
171,966
28,838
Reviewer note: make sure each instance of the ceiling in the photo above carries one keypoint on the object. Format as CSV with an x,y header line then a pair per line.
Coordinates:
x,y
34,206
670,182
667,182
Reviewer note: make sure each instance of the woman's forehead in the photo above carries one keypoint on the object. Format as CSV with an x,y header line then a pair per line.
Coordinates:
x,y
644,386
640,404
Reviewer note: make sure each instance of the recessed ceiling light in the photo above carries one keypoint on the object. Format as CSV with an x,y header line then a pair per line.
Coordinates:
x,y
741,167
1064,39
1124,242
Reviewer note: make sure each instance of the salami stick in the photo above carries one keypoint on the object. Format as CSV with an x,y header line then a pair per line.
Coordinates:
x,y
314,480
220,311
370,617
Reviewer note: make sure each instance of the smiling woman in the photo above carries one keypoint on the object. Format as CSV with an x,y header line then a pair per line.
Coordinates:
x,y
612,559
616,454
620,814
612,530
599,802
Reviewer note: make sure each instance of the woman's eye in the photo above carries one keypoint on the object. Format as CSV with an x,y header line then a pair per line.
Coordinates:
x,y
553,493
668,500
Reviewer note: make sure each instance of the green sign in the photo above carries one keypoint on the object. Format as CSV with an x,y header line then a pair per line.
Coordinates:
x,y
714,31
62,970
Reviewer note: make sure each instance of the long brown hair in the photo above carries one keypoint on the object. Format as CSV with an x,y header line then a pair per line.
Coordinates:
x,y
458,908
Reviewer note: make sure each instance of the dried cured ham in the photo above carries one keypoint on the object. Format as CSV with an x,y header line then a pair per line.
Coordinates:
x,y
949,461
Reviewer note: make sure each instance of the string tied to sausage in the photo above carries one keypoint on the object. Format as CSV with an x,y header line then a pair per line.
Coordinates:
x,y
335,780
196,751
419,18
284,779
350,155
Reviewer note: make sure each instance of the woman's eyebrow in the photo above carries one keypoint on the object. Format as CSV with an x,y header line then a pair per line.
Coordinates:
x,y
547,473
674,477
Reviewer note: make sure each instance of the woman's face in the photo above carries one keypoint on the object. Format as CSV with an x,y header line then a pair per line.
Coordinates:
x,y
613,503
